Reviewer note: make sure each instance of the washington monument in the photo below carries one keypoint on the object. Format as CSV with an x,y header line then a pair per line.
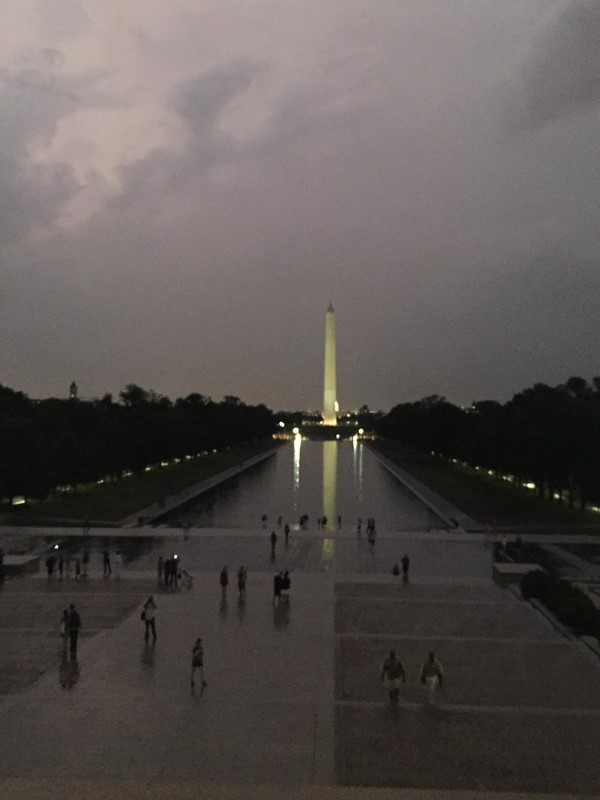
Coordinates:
x,y
330,405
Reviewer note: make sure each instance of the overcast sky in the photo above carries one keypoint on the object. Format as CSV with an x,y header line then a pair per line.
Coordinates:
x,y
186,184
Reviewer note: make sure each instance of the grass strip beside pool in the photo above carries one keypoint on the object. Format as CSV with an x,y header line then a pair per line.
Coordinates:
x,y
485,499
112,501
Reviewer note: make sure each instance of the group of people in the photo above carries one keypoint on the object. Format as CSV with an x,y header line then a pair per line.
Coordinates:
x,y
405,561
393,675
169,571
68,566
242,577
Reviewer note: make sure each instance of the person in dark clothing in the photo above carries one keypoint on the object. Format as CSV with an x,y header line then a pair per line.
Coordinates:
x,y
277,588
286,530
285,588
106,568
73,627
242,576
224,580
85,560
50,561
405,566
273,540
167,567
61,566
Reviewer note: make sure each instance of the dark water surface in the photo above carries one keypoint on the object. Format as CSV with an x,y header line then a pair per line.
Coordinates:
x,y
314,478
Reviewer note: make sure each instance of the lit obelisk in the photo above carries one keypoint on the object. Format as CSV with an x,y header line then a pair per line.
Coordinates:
x,y
330,405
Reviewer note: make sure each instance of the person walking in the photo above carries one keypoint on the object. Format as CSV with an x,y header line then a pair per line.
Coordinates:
x,y
286,531
50,561
432,675
198,664
285,585
77,568
224,581
273,540
118,563
405,561
61,566
73,627
242,576
277,588
85,560
149,617
106,568
392,673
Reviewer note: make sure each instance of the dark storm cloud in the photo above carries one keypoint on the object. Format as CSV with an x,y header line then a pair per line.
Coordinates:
x,y
562,75
236,173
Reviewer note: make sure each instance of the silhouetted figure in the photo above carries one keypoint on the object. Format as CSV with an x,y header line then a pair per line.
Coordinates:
x,y
224,580
106,568
77,569
50,561
405,560
61,566
73,628
396,569
339,523
286,531
273,540
277,588
392,673
264,519
149,617
359,526
285,586
242,576
198,664
432,675
85,560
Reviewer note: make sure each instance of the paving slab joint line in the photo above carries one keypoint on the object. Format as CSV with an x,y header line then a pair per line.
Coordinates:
x,y
461,708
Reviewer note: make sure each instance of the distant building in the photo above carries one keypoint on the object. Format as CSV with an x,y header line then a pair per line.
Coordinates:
x,y
73,391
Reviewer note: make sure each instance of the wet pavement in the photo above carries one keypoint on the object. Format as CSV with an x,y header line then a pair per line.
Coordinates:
x,y
294,694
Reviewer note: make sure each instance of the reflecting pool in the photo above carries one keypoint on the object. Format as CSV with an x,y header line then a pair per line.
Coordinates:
x,y
328,479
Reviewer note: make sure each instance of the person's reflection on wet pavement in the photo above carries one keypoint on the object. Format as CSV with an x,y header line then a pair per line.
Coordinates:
x,y
223,606
281,616
147,658
68,671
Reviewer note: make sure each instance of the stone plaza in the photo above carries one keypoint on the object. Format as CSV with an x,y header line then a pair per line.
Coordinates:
x,y
294,697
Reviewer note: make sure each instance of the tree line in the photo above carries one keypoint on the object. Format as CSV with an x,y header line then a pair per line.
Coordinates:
x,y
53,443
545,435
